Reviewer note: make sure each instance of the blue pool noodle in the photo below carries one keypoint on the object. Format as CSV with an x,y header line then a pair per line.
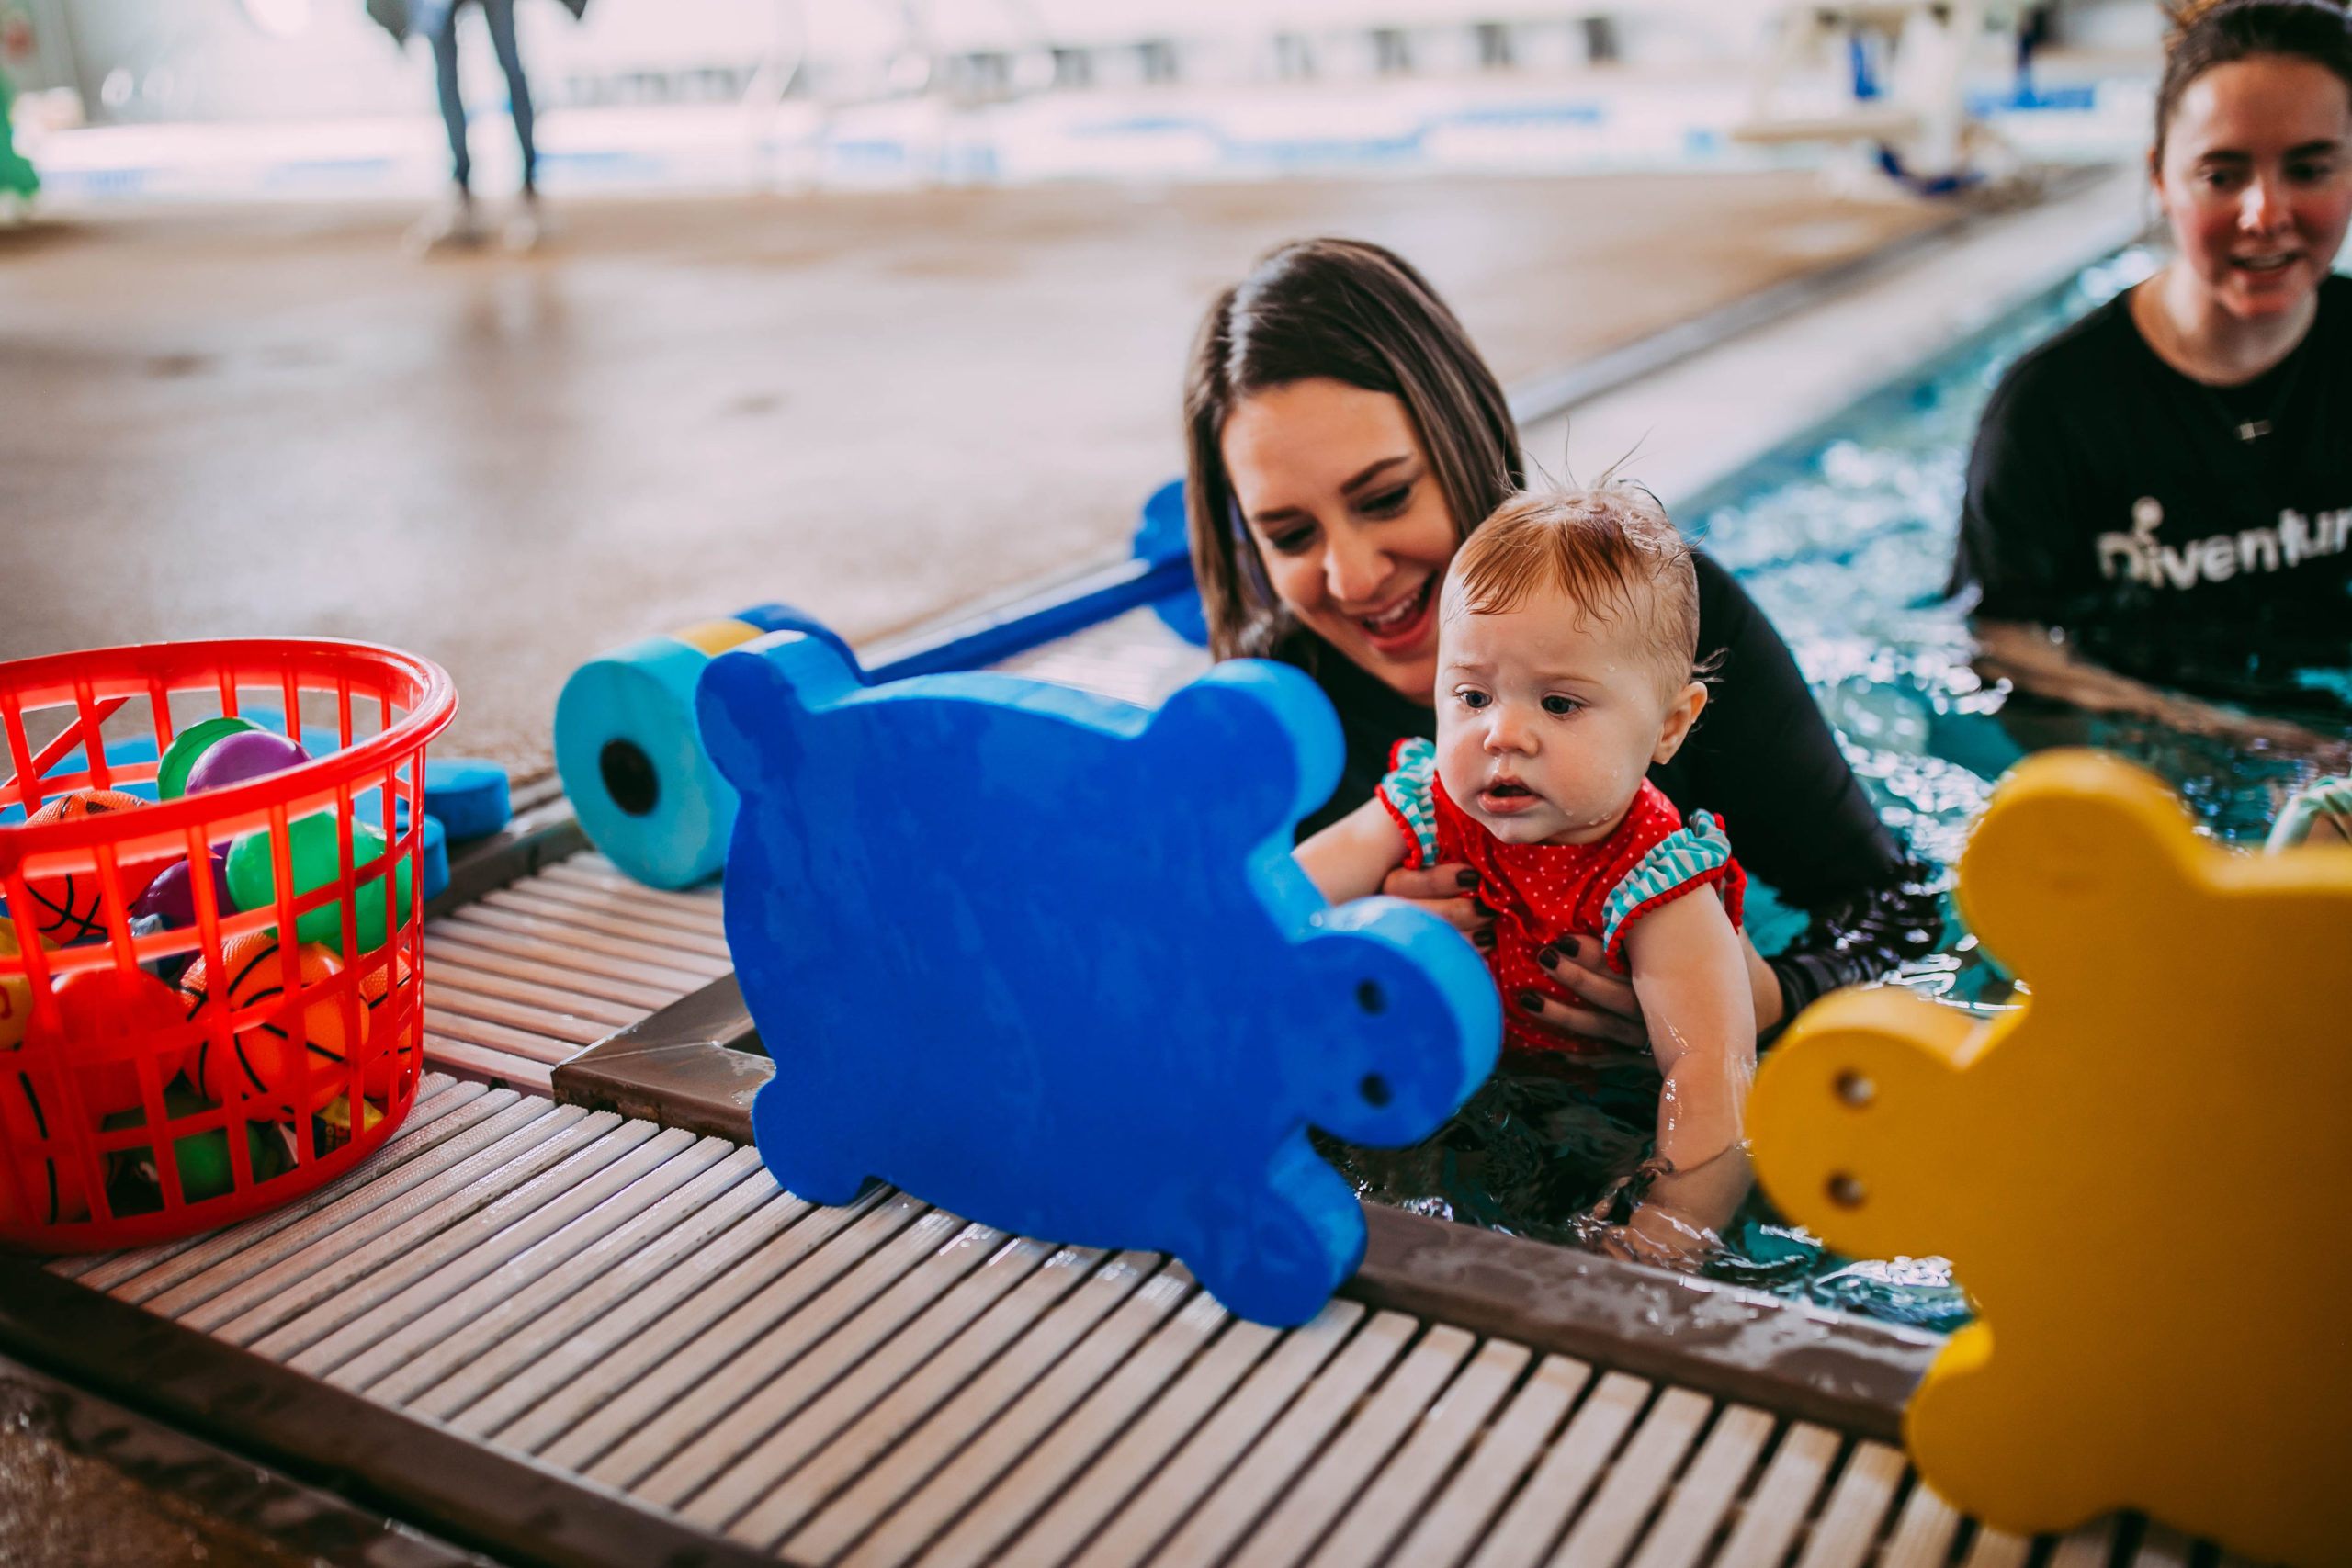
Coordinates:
x,y
632,760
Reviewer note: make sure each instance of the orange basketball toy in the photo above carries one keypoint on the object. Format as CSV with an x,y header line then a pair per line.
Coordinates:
x,y
388,1061
46,1190
264,1062
70,908
107,1017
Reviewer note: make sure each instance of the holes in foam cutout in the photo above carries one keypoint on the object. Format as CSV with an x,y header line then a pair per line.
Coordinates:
x,y
1374,1089
1371,997
1856,1088
1846,1189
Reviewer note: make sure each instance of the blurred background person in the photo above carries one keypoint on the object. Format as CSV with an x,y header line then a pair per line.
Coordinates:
x,y
2159,503
455,220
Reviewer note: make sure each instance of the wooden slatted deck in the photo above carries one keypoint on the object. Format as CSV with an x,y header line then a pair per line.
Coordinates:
x,y
522,978
886,1384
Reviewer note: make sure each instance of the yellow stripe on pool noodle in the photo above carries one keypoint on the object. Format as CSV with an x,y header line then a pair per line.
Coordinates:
x,y
715,638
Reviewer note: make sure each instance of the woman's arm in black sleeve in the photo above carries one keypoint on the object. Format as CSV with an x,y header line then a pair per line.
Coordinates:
x,y
1764,758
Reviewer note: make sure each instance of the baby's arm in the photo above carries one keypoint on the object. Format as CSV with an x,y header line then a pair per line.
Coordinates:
x,y
1690,975
1354,855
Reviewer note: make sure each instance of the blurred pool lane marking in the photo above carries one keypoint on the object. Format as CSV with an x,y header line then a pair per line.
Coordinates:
x,y
1572,125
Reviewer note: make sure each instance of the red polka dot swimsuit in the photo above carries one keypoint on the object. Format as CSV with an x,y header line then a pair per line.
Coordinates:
x,y
1541,892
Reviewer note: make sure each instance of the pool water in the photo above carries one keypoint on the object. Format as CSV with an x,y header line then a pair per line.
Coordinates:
x,y
1845,536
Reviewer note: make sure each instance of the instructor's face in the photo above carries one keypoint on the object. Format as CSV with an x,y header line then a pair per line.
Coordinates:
x,y
2257,179
1355,534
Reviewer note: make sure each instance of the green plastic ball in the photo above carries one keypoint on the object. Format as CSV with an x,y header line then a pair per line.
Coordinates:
x,y
203,1156
317,863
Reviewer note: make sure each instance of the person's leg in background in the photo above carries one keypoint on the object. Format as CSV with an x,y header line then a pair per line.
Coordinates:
x,y
525,228
452,223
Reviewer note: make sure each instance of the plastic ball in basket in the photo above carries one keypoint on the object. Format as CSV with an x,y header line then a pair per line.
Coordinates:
x,y
175,1063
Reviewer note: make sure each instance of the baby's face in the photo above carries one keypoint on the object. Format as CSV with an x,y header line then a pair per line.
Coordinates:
x,y
1548,718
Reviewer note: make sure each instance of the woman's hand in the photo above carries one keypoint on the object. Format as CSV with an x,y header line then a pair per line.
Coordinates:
x,y
1449,892
1603,1006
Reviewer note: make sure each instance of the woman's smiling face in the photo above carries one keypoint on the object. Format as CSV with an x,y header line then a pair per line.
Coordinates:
x,y
2257,179
1354,531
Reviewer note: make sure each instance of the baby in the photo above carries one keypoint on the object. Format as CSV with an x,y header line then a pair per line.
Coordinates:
x,y
1566,645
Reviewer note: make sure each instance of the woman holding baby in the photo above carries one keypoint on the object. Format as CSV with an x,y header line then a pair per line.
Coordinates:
x,y
1346,439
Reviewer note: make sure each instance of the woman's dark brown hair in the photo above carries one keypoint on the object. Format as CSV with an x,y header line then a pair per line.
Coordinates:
x,y
2209,35
1354,313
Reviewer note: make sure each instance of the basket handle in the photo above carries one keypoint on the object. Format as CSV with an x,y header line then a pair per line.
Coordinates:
x,y
66,742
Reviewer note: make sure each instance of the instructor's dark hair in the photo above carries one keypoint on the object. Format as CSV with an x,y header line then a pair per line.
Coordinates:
x,y
1349,311
2207,34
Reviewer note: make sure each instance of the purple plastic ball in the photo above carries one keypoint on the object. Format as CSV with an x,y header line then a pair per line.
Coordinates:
x,y
172,895
249,754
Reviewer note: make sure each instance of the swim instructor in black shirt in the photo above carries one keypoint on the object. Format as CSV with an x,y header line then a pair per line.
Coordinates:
x,y
1344,436
2160,501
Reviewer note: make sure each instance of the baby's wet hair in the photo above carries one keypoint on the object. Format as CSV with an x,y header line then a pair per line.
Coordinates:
x,y
1608,548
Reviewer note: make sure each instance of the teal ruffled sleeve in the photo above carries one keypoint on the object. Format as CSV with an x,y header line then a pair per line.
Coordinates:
x,y
1409,792
1695,855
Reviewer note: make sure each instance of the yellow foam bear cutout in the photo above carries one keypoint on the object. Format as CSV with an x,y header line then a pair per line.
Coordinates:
x,y
2143,1176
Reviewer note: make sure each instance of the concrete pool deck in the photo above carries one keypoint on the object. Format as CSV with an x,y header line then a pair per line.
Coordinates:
x,y
249,421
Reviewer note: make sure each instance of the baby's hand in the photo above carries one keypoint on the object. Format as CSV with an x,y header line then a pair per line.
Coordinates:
x,y
1669,1218
1658,1234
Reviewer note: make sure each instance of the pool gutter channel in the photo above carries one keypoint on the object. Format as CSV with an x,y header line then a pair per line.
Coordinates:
x,y
697,1064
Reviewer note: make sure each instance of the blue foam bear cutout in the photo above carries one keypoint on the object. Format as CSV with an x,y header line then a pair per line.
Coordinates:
x,y
1043,959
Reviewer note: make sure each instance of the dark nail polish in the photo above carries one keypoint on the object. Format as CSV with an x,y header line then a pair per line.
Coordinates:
x,y
1483,937
1530,1001
1546,957
1467,879
1566,944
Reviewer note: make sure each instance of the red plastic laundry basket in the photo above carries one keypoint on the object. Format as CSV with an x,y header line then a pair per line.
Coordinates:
x,y
339,1028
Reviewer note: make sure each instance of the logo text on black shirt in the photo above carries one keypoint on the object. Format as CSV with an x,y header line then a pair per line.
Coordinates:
x,y
2143,559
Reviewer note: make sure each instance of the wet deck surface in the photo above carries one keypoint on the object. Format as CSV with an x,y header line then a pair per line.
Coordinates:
x,y
62,1509
86,1485
221,422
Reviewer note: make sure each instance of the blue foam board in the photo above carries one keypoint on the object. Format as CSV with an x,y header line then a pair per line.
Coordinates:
x,y
1043,959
